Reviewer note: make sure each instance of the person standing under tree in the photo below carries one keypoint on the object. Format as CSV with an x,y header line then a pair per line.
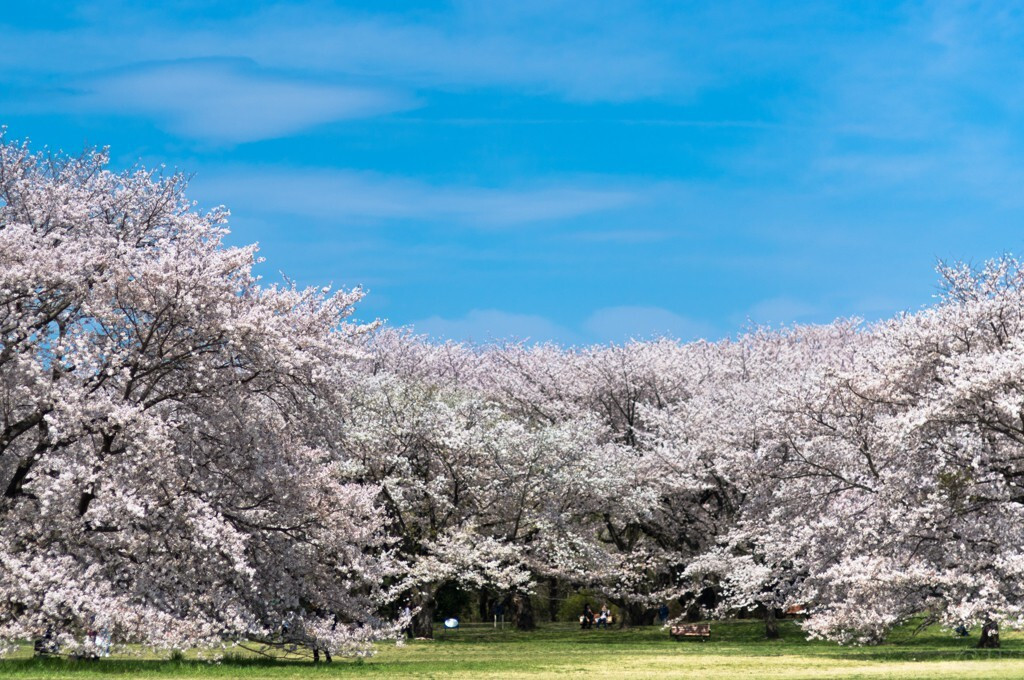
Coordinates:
x,y
407,617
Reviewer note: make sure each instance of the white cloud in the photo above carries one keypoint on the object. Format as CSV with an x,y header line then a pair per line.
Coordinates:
x,y
228,101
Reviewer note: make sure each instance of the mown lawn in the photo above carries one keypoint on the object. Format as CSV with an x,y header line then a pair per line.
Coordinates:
x,y
559,650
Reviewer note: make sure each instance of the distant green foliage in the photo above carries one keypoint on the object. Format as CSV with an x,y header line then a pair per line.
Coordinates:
x,y
452,601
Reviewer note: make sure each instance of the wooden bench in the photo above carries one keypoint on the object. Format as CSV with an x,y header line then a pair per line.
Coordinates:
x,y
697,630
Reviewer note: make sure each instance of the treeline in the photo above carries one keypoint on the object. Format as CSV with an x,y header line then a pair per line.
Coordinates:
x,y
189,457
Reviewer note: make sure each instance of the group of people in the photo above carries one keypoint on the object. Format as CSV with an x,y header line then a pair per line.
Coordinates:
x,y
98,644
600,620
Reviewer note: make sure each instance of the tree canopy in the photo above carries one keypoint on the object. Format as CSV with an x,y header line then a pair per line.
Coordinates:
x,y
189,456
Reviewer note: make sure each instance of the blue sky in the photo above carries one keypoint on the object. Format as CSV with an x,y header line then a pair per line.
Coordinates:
x,y
570,171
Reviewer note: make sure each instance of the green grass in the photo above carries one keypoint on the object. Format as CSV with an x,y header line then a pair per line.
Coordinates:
x,y
737,649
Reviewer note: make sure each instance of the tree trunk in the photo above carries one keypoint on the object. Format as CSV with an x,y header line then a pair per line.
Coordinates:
x,y
553,599
485,606
522,612
771,624
316,655
989,635
423,621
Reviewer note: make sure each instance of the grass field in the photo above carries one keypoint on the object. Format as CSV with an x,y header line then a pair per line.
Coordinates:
x,y
560,650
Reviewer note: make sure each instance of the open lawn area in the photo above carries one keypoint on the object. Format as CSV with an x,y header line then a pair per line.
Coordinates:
x,y
558,650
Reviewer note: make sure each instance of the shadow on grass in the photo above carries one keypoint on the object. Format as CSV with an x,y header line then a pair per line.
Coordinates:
x,y
229,665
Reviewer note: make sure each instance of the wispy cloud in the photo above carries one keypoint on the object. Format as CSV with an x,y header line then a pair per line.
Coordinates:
x,y
232,79
545,48
227,101
341,195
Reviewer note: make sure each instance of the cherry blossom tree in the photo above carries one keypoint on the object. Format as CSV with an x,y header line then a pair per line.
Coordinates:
x,y
942,531
885,484
415,431
484,489
745,423
166,474
631,531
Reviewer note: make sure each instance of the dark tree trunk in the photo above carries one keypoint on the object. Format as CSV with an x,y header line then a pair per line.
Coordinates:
x,y
522,612
771,624
423,620
989,635
485,606
316,655
553,599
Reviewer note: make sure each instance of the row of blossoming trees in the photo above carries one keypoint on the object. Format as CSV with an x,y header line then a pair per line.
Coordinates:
x,y
188,457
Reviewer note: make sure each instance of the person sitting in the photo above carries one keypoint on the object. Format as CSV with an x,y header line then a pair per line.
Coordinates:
x,y
587,620
604,616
